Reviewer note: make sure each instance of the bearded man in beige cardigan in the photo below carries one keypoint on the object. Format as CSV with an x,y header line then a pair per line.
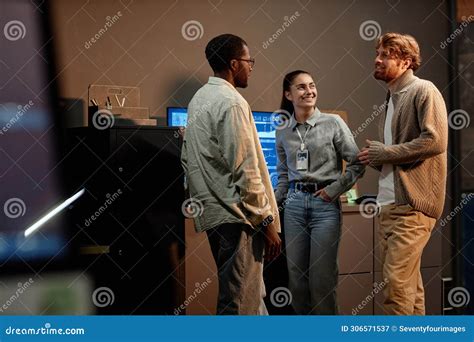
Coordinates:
x,y
412,161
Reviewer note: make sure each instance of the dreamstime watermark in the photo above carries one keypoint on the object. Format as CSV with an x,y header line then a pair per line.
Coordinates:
x,y
377,288
282,206
464,23
287,200
179,132
280,297
458,297
369,208
110,21
376,112
281,119
14,208
458,119
199,287
102,297
14,30
19,291
192,208
108,202
457,209
192,119
192,30
274,178
46,330
103,119
370,30
286,24
21,110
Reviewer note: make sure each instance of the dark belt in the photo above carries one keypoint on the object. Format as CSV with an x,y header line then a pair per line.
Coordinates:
x,y
308,187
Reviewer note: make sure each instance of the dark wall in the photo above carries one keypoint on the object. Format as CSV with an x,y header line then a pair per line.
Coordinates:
x,y
145,47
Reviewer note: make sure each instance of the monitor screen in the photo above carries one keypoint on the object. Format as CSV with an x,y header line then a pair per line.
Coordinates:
x,y
265,128
266,133
177,116
31,179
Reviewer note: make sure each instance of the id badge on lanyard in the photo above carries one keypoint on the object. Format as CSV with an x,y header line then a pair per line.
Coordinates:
x,y
302,154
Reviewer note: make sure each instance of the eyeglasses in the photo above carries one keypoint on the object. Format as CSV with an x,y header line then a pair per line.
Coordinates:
x,y
250,61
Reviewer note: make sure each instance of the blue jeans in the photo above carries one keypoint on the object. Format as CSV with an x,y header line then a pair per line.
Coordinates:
x,y
312,233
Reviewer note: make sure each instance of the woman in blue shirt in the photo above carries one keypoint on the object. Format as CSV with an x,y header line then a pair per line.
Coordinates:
x,y
311,147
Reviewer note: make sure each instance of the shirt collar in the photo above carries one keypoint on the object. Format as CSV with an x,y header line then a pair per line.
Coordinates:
x,y
402,82
310,121
219,81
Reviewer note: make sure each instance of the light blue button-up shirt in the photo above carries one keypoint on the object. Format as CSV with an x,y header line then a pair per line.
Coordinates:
x,y
223,160
329,141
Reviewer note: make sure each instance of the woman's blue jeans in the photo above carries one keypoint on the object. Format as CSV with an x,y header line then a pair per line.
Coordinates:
x,y
312,233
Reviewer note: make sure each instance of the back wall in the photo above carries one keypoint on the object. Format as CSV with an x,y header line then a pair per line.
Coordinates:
x,y
159,47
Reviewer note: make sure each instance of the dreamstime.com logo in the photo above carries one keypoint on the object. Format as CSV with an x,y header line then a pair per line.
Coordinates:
x,y
286,24
280,297
179,132
103,119
46,330
370,30
192,208
464,23
465,199
110,21
19,291
110,198
192,30
193,119
199,287
14,208
375,113
20,111
377,288
281,119
102,297
14,30
458,297
287,200
368,208
458,119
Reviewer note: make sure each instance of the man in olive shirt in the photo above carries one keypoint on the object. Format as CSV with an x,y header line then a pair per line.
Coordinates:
x,y
226,174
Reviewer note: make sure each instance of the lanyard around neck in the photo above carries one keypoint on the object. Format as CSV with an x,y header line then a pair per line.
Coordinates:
x,y
302,139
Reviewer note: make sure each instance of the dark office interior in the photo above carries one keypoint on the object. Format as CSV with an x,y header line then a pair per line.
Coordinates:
x,y
115,239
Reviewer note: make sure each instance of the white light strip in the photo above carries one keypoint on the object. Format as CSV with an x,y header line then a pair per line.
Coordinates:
x,y
53,212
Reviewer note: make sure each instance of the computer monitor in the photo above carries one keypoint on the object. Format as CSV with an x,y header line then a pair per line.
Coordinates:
x,y
264,121
176,116
31,171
